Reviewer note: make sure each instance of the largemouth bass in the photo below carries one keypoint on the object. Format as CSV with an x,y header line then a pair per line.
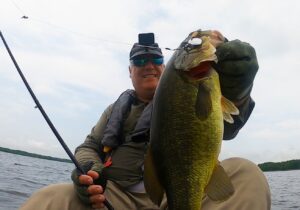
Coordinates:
x,y
187,128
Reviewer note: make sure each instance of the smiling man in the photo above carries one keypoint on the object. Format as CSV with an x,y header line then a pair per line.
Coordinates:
x,y
146,67
115,148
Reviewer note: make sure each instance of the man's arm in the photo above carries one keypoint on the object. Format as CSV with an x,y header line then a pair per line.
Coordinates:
x,y
88,155
90,150
237,66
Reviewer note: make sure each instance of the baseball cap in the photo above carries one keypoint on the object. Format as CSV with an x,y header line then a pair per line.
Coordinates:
x,y
145,46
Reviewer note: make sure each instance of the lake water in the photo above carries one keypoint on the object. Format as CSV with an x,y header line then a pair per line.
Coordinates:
x,y
285,189
20,176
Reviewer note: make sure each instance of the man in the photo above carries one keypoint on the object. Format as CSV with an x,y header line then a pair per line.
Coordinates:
x,y
124,126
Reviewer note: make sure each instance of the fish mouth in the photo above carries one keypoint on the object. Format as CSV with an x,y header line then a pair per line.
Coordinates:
x,y
201,71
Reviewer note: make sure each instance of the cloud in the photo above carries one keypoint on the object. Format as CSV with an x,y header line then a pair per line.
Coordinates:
x,y
74,54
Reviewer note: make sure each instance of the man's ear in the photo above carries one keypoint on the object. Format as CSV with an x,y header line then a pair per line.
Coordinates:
x,y
129,69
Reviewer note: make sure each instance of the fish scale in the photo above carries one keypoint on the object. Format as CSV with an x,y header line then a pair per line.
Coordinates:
x,y
190,133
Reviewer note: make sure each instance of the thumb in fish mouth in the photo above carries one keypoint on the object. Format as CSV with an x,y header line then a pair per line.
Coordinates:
x,y
216,38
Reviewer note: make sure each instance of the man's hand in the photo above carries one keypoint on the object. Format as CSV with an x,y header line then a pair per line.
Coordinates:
x,y
90,187
237,66
94,192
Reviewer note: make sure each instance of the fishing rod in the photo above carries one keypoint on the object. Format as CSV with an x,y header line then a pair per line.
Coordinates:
x,y
39,106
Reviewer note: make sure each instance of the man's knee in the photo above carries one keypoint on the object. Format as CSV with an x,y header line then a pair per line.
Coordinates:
x,y
245,169
56,196
249,181
251,189
240,165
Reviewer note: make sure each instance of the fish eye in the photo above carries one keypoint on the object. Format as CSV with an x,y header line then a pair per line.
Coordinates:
x,y
195,41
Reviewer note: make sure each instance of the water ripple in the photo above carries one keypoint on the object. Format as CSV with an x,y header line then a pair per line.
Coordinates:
x,y
16,193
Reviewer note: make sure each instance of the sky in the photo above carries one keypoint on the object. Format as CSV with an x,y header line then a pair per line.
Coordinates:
x,y
74,54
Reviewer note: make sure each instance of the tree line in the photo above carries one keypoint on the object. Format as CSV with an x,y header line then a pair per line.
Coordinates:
x,y
20,152
268,166
280,166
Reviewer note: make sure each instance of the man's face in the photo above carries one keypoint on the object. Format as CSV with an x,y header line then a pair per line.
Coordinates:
x,y
145,74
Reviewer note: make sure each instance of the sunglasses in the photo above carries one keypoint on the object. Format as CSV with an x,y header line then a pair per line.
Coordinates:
x,y
144,61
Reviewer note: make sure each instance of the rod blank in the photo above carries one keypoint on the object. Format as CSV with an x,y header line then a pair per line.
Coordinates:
x,y
39,106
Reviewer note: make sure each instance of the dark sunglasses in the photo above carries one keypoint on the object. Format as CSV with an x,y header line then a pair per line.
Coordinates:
x,y
144,61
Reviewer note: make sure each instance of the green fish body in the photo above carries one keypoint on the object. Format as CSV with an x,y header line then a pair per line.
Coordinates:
x,y
187,128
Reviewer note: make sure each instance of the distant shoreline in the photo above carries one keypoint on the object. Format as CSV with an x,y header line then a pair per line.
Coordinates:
x,y
268,166
280,166
29,154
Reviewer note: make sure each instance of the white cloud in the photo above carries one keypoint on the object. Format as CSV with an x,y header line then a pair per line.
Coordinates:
x,y
75,56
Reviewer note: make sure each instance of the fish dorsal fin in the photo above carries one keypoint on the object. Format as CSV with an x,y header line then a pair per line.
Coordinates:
x,y
152,185
228,109
219,187
203,106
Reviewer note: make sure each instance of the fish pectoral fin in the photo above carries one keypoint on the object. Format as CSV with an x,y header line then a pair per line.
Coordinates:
x,y
152,185
219,187
228,109
203,106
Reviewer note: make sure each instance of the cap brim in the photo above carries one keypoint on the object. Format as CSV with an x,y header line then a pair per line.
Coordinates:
x,y
140,53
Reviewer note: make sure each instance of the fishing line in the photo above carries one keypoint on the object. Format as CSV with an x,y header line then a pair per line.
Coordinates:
x,y
93,37
15,4
63,28
96,38
38,20
79,33
29,18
